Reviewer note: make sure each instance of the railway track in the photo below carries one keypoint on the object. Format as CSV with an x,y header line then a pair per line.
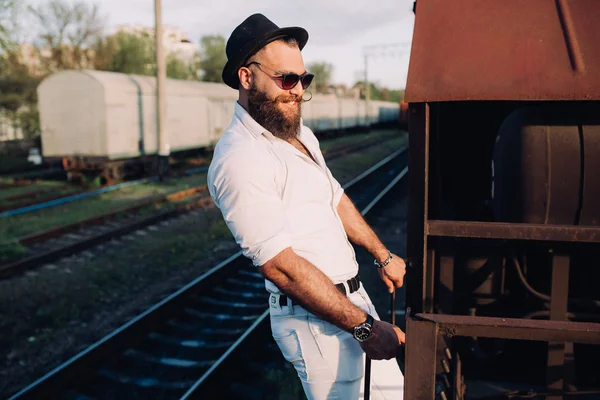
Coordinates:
x,y
37,196
51,201
67,240
10,185
169,350
50,245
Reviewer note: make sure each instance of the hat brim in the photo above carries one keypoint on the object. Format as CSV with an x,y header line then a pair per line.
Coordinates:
x,y
230,71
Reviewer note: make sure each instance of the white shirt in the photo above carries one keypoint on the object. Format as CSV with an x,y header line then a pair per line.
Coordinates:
x,y
272,196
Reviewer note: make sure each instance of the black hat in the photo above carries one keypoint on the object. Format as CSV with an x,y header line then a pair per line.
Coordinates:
x,y
249,37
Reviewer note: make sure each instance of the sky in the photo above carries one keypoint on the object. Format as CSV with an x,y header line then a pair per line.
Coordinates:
x,y
339,31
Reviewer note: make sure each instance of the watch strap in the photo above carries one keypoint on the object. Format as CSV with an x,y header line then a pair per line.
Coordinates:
x,y
369,320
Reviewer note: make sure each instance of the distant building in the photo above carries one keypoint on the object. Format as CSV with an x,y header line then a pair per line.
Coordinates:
x,y
38,61
175,42
343,91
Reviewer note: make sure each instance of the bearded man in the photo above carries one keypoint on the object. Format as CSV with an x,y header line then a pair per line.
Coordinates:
x,y
292,218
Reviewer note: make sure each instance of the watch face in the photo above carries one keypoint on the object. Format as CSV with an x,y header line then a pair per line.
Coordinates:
x,y
362,333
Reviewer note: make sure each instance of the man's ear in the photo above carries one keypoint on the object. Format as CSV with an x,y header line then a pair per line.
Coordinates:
x,y
245,77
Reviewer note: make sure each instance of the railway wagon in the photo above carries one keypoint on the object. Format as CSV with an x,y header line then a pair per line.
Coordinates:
x,y
105,122
503,245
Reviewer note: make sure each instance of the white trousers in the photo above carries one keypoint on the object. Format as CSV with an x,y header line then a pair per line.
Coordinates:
x,y
329,361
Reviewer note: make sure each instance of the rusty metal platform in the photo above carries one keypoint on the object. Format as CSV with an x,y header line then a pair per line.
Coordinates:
x,y
422,331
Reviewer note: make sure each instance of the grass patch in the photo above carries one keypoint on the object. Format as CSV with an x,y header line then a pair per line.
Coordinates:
x,y
17,226
46,195
16,190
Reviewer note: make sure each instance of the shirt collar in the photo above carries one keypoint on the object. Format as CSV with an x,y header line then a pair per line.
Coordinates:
x,y
250,123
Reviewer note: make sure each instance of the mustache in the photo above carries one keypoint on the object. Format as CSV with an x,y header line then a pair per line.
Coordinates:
x,y
290,98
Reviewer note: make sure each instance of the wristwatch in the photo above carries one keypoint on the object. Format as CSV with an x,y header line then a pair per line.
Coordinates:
x,y
362,332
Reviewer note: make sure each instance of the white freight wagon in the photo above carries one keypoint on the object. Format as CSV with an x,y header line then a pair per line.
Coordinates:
x,y
96,121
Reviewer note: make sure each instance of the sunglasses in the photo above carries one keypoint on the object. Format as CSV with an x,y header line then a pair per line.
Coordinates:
x,y
288,81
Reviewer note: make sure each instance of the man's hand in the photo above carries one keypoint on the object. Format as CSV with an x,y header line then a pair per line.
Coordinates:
x,y
400,334
385,341
393,273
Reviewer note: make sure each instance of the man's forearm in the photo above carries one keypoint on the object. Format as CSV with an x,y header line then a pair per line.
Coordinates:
x,y
312,289
358,231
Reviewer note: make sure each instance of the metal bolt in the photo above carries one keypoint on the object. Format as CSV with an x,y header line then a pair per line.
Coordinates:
x,y
448,353
446,366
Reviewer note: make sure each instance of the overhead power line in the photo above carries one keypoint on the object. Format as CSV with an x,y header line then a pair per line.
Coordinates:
x,y
379,50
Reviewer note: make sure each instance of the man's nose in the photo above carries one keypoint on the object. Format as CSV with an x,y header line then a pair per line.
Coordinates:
x,y
297,90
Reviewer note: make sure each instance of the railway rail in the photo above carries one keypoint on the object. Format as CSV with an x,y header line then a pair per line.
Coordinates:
x,y
174,346
55,243
37,196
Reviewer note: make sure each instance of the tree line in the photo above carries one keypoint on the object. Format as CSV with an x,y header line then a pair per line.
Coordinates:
x,y
70,35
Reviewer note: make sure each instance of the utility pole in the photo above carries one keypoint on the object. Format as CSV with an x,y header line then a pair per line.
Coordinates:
x,y
367,93
161,77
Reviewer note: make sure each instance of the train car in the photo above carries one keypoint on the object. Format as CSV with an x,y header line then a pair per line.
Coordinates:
x,y
105,122
503,245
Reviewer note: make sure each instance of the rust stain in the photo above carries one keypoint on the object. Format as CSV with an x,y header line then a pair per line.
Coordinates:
x,y
186,193
568,27
448,330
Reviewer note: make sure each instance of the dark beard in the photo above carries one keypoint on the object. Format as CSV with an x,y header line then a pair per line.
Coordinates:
x,y
266,112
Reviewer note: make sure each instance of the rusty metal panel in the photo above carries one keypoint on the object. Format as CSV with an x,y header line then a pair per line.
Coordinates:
x,y
416,241
505,50
515,231
513,328
591,188
421,349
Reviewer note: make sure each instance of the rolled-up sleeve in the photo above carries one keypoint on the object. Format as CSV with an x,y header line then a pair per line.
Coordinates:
x,y
243,187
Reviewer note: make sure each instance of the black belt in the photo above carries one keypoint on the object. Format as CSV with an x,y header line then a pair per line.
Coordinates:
x,y
353,285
